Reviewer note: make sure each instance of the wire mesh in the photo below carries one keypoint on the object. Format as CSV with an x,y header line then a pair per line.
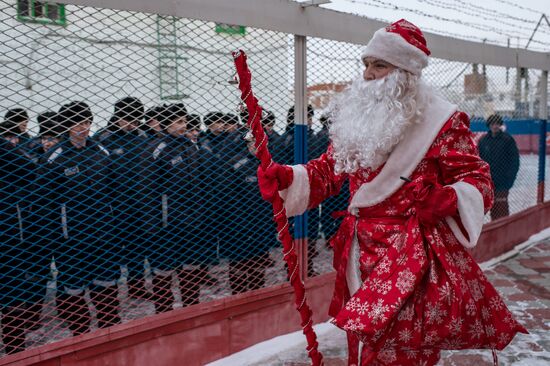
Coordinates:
x,y
127,186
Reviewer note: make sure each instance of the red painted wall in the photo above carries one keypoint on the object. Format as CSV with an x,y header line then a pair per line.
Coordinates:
x,y
205,332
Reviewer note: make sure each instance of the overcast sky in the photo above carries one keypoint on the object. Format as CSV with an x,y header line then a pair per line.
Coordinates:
x,y
493,20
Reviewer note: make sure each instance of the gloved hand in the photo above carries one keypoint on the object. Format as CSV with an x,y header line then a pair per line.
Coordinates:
x,y
433,201
276,178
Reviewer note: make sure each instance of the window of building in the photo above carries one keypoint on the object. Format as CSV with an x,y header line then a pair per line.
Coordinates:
x,y
40,12
230,29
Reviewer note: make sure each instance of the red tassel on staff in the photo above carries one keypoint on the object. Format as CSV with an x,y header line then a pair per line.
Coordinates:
x,y
289,254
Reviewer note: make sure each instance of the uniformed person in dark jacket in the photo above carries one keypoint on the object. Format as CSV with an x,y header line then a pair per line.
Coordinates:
x,y
128,146
251,234
183,238
79,177
151,125
19,118
50,132
23,268
500,151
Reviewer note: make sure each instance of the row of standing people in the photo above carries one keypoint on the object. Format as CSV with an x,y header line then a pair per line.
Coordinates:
x,y
163,190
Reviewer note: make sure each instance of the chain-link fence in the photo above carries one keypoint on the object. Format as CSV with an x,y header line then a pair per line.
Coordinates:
x,y
128,187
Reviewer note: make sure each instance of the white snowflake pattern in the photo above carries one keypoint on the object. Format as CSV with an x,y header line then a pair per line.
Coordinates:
x,y
452,343
407,313
446,293
462,262
490,330
378,312
397,240
435,314
422,166
455,326
405,281
402,259
383,266
496,303
463,145
411,353
362,309
405,335
475,289
353,304
387,355
471,309
452,277
354,325
431,338
485,313
503,338
476,329
444,150
420,255
391,211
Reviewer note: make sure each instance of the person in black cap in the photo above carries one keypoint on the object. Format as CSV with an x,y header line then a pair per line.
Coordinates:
x,y
51,132
180,182
499,150
16,120
193,127
127,145
152,126
21,260
78,176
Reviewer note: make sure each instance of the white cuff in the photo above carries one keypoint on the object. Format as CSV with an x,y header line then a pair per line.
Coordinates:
x,y
296,196
470,209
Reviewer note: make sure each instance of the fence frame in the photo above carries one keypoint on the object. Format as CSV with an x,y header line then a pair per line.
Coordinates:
x,y
290,18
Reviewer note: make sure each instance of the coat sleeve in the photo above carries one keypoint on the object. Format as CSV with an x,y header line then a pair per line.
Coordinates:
x,y
312,184
463,170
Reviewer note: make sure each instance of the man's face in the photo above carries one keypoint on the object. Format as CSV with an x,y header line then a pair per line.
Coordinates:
x,y
193,135
12,139
127,126
495,127
217,127
376,69
48,142
154,124
23,126
81,130
178,127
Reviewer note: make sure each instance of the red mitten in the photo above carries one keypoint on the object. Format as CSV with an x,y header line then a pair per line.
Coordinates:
x,y
274,179
433,201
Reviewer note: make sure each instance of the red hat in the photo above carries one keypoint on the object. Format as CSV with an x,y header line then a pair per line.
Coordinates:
x,y
402,44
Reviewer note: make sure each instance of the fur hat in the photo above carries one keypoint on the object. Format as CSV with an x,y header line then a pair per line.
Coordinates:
x,y
402,44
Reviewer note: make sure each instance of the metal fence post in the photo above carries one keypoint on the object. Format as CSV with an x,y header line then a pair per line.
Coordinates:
x,y
300,135
542,135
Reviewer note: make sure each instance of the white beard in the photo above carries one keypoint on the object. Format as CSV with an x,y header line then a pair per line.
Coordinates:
x,y
371,117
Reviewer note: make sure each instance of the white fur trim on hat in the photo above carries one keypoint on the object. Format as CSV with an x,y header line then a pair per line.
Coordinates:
x,y
393,48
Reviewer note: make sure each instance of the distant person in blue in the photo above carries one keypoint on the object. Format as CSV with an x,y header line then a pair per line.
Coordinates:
x,y
499,150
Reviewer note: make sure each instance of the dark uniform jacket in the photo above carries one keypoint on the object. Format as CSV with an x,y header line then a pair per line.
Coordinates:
x,y
181,195
81,183
128,154
501,153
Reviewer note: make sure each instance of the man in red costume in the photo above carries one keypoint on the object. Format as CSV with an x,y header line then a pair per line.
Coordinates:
x,y
406,287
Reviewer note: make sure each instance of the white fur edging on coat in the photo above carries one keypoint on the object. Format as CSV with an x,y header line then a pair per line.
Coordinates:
x,y
296,196
470,209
